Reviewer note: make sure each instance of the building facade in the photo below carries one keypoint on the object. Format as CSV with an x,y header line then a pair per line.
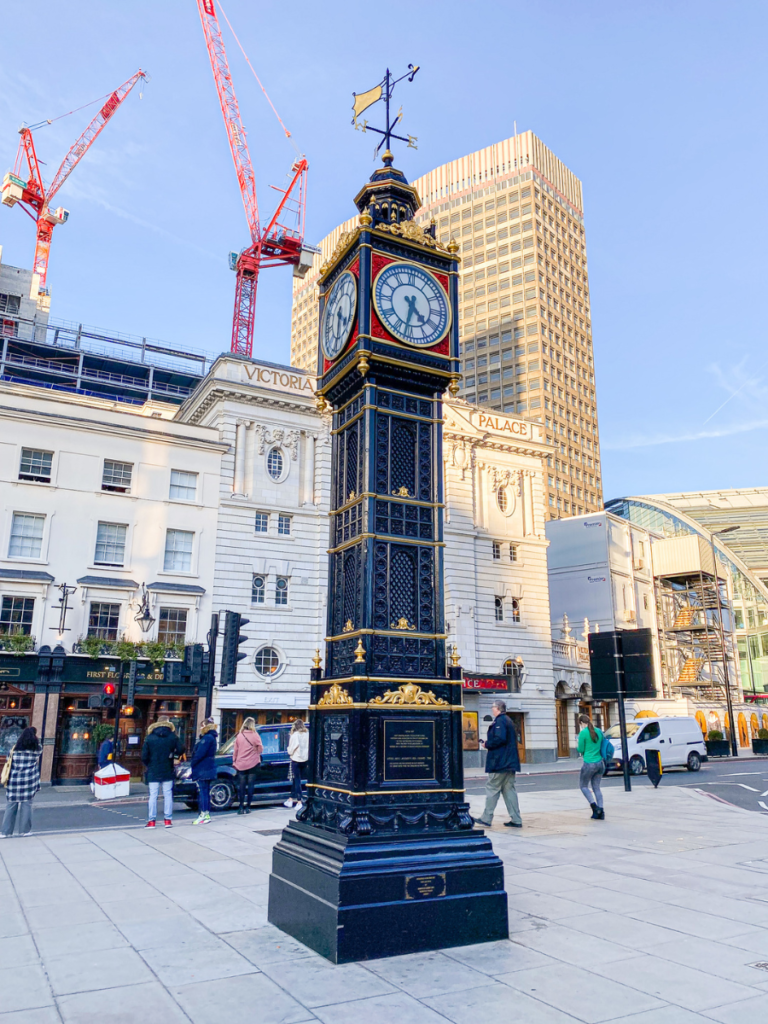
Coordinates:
x,y
106,510
516,212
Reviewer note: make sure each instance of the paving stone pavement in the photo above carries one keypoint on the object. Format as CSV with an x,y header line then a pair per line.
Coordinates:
x,y
656,915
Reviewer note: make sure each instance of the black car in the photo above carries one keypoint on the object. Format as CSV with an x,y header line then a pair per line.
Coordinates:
x,y
273,784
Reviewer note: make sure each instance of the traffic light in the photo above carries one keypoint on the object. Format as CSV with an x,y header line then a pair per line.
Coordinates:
x,y
229,652
108,695
193,669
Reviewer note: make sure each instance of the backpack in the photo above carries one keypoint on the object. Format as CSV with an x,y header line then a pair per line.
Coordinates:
x,y
606,751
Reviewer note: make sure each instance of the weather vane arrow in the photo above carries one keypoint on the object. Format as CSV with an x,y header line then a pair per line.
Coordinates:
x,y
383,91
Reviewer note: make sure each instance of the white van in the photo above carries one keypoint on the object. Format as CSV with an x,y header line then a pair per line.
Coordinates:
x,y
678,740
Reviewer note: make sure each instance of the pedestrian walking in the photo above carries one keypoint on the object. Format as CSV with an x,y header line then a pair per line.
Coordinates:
x,y
590,746
22,783
160,747
246,758
105,752
501,764
298,751
203,763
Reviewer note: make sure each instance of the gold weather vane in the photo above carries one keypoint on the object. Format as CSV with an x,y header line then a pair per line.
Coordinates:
x,y
384,90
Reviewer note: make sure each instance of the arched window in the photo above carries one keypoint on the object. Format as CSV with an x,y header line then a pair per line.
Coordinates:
x,y
275,463
267,661
515,610
498,604
501,498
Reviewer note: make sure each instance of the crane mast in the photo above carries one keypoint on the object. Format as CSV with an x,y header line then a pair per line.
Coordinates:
x,y
277,244
31,192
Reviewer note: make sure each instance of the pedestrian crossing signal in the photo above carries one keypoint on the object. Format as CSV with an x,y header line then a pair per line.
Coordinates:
x,y
229,652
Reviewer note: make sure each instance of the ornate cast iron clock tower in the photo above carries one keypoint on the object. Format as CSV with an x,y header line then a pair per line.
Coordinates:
x,y
383,858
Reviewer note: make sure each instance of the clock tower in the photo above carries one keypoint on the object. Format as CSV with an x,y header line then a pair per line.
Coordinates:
x,y
383,858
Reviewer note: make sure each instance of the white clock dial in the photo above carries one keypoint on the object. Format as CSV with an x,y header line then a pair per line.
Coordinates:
x,y
339,315
412,304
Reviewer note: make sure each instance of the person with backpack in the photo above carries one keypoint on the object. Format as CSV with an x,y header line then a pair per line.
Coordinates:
x,y
591,746
22,781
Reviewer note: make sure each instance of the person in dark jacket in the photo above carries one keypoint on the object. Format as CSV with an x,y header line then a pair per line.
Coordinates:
x,y
203,763
501,764
23,783
105,752
160,747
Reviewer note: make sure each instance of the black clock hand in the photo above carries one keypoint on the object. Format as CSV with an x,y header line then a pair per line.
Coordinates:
x,y
411,300
340,318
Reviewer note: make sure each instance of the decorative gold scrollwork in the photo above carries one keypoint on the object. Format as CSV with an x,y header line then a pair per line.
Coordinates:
x,y
402,492
402,623
334,697
352,496
348,626
410,230
411,694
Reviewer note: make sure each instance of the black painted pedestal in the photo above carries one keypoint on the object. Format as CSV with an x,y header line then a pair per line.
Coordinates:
x,y
352,898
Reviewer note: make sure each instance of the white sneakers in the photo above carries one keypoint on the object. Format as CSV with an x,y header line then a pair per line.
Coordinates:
x,y
202,819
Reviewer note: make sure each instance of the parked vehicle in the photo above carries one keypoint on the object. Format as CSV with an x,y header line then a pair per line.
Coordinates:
x,y
273,784
678,740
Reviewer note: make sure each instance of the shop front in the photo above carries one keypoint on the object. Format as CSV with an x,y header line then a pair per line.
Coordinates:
x,y
17,698
267,708
478,695
160,692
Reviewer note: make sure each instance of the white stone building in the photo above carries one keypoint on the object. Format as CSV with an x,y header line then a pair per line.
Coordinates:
x,y
497,602
272,541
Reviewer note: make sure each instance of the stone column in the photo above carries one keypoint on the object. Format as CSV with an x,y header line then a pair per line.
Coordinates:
x,y
309,470
238,483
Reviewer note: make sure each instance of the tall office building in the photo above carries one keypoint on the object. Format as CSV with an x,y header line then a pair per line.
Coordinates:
x,y
525,323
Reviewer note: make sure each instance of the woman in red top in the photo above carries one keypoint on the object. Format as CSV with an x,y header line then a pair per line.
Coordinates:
x,y
246,758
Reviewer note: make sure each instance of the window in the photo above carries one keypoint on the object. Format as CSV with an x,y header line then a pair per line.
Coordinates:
x,y
650,732
513,552
35,465
178,551
498,605
110,544
281,590
496,551
26,535
172,626
116,476
262,522
103,620
284,525
515,611
502,499
183,485
258,589
267,661
275,463
10,304
16,615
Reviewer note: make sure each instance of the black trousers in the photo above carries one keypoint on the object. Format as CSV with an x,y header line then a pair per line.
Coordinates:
x,y
298,771
247,778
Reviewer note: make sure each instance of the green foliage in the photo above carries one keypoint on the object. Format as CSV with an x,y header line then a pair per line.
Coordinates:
x,y
102,731
178,648
714,735
125,650
92,645
762,734
17,643
155,651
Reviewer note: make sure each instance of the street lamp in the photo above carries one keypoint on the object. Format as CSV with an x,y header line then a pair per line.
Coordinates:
x,y
728,701
145,618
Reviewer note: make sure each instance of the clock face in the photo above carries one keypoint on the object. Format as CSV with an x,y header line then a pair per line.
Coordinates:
x,y
412,304
339,315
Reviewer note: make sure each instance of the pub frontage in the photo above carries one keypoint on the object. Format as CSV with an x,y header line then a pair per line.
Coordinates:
x,y
63,696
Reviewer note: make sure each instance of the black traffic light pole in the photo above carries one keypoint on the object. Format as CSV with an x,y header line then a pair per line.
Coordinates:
x,y
118,701
229,648
213,635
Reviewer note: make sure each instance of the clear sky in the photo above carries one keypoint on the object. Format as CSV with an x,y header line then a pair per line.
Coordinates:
x,y
657,105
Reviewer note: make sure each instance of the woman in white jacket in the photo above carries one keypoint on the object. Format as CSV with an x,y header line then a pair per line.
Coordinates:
x,y
298,751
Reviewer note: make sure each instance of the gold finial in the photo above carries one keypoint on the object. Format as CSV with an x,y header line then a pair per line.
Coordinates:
x,y
363,366
316,661
387,155
365,218
321,403
453,246
453,385
359,652
454,656
349,626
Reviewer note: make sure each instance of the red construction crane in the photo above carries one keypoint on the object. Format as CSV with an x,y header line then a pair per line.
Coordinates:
x,y
277,244
32,194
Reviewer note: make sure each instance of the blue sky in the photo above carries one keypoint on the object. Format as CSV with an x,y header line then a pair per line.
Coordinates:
x,y
659,107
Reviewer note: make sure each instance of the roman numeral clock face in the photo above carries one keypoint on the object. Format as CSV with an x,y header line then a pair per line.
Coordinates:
x,y
339,315
411,304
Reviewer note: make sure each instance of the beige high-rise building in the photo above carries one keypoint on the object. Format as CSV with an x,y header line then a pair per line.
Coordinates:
x,y
516,212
